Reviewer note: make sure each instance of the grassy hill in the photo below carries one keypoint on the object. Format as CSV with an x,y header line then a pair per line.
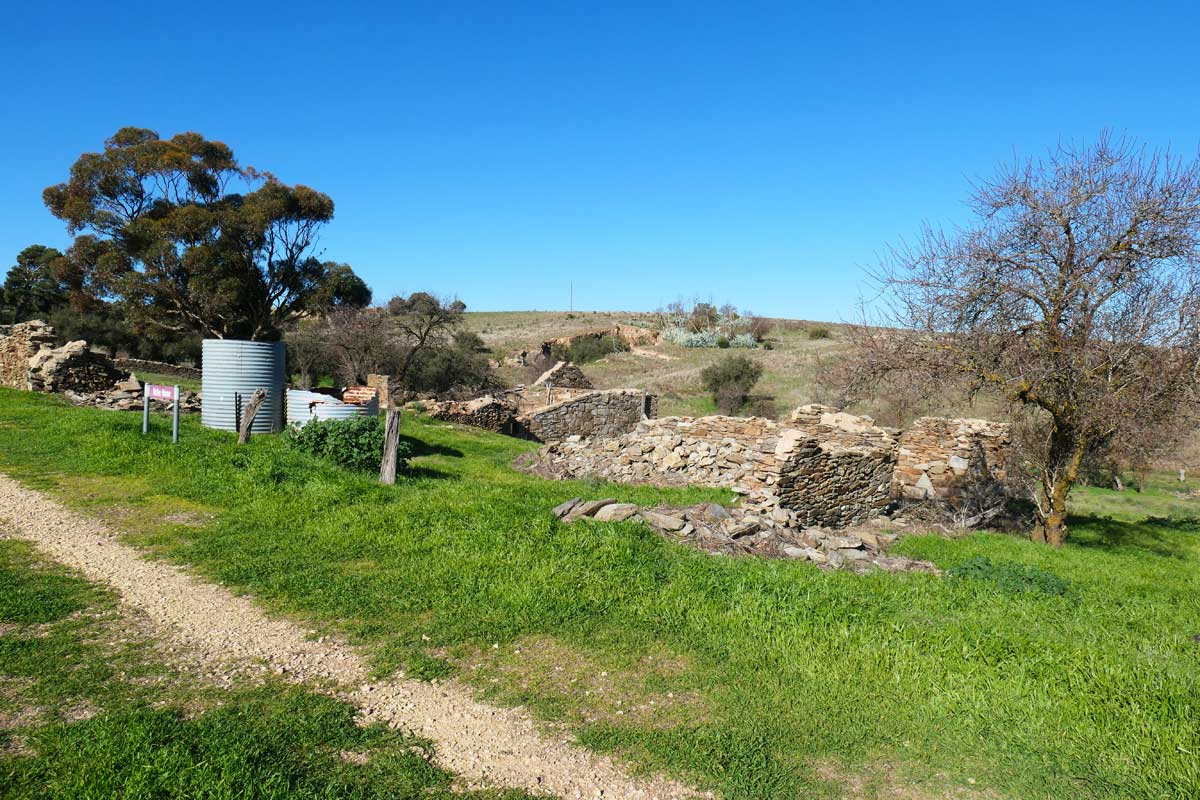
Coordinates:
x,y
791,366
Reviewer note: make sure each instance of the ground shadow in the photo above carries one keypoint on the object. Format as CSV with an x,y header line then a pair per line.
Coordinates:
x,y
416,448
1162,536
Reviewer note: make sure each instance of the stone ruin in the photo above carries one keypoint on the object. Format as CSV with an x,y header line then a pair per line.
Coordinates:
x,y
630,335
566,375
30,361
825,486
551,414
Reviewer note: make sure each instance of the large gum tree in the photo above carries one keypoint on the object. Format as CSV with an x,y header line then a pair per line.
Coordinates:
x,y
188,240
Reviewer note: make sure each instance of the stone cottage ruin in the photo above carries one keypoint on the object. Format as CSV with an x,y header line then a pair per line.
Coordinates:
x,y
825,467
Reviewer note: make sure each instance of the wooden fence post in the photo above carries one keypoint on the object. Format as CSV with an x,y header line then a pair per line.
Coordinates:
x,y
256,400
391,443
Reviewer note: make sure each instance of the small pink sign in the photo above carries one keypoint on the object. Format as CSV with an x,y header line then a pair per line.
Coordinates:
x,y
156,392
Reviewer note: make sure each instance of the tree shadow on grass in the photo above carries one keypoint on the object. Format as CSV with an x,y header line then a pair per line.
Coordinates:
x,y
417,448
421,472
1162,536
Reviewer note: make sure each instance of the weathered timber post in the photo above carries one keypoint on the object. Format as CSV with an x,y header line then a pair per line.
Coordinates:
x,y
391,442
248,415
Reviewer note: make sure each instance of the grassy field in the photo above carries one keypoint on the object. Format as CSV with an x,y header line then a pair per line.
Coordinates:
x,y
790,367
91,707
759,679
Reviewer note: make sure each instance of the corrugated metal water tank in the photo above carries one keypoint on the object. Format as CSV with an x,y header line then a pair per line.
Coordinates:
x,y
232,370
303,406
342,411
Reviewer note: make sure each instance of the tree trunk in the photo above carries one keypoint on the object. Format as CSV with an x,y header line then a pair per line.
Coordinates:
x,y
1060,474
391,442
249,413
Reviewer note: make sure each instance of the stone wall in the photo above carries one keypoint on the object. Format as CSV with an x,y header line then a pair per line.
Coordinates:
x,y
600,414
139,366
631,335
943,459
493,413
829,477
826,468
72,367
18,344
382,384
566,375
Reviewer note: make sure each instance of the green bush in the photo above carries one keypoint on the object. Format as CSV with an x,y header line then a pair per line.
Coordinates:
x,y
730,381
819,333
1011,577
587,349
355,443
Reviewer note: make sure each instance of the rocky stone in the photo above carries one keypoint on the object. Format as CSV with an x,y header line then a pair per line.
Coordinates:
x,y
664,522
563,509
616,512
588,508
947,459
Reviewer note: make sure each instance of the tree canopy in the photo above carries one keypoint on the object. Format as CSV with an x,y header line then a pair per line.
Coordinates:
x,y
161,229
1075,297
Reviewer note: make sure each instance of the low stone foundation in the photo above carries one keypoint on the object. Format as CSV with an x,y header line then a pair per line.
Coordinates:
x,y
139,366
825,468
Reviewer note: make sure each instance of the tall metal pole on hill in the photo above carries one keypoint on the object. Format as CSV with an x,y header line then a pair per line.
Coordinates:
x,y
571,307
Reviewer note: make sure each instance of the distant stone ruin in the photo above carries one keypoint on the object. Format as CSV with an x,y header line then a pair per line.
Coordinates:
x,y
826,468
631,335
551,414
566,375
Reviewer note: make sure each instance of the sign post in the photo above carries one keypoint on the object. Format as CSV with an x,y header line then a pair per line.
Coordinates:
x,y
155,392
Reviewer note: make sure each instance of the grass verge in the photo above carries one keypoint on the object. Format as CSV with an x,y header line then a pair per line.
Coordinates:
x,y
790,681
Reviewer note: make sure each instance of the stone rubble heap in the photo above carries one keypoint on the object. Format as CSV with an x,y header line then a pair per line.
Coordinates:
x,y
752,528
72,367
127,396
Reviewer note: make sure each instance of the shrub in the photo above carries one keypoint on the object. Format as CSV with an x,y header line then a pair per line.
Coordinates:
x,y
1010,576
722,343
743,340
586,349
355,443
730,381
760,327
819,333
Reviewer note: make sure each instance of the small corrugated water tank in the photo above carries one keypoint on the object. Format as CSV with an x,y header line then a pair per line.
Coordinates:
x,y
231,371
303,406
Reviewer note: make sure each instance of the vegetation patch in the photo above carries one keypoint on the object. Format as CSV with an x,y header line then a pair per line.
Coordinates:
x,y
1010,577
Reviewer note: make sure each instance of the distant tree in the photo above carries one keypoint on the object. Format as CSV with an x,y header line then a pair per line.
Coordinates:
x,y
164,234
361,341
1075,297
704,317
340,288
730,381
31,288
423,322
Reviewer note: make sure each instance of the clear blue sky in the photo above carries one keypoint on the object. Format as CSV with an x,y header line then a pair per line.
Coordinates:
x,y
760,154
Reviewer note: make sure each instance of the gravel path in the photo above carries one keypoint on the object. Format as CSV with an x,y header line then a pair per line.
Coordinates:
x,y
484,744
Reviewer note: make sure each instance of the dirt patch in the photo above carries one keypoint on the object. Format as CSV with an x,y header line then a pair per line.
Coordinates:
x,y
483,743
884,780
584,688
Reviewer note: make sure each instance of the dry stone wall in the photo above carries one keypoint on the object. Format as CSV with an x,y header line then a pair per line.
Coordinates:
x,y
600,414
72,367
566,375
943,459
18,344
141,365
825,468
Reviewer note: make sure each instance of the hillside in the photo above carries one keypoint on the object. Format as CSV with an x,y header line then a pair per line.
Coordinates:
x,y
791,366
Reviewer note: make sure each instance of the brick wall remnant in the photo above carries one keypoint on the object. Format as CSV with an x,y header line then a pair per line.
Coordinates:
x,y
941,459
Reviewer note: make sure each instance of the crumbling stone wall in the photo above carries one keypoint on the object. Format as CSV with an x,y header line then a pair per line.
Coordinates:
x,y
602,414
488,412
18,344
382,384
631,335
566,375
943,459
828,475
72,367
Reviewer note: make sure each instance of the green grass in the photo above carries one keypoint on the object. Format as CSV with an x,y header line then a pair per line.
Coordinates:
x,y
90,711
191,384
757,678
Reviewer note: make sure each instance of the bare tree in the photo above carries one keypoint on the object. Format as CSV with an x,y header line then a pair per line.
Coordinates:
x,y
1075,297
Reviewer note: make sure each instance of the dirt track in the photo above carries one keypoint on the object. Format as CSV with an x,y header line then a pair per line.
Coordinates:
x,y
485,744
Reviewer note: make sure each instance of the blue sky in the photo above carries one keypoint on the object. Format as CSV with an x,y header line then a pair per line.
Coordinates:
x,y
760,154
